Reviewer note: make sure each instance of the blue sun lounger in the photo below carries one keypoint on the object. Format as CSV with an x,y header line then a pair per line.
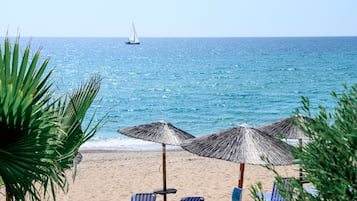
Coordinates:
x,y
275,195
192,199
144,197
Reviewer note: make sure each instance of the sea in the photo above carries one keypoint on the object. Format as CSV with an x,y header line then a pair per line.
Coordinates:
x,y
200,85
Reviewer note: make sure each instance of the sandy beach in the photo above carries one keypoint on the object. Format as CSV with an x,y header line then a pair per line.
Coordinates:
x,y
116,175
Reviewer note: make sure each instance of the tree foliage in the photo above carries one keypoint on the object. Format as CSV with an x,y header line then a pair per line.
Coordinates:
x,y
330,160
40,134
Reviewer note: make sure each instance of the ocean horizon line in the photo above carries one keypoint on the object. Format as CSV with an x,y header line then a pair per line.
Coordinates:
x,y
184,37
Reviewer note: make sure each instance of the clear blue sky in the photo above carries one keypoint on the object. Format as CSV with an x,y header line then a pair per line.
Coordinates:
x,y
179,18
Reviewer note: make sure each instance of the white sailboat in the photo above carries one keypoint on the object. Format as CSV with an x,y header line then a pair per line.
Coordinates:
x,y
133,37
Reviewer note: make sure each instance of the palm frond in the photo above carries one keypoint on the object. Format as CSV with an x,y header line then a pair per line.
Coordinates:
x,y
40,135
72,118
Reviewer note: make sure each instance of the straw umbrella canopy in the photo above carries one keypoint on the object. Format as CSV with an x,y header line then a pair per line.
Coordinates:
x,y
244,145
286,127
159,132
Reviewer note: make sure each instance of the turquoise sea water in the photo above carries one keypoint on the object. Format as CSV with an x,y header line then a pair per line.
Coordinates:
x,y
200,85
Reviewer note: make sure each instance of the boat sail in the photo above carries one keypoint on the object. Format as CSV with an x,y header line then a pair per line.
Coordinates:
x,y
133,37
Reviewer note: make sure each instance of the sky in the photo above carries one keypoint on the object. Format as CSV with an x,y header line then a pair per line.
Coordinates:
x,y
178,18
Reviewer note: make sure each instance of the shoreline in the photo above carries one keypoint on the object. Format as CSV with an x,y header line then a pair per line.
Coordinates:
x,y
131,144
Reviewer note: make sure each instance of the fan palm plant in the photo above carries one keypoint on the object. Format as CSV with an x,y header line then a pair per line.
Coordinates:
x,y
40,134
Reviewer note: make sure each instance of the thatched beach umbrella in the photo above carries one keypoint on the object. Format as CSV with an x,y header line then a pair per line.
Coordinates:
x,y
242,145
160,132
285,127
288,129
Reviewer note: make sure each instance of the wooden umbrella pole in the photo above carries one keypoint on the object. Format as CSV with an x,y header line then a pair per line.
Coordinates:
x,y
164,169
7,197
241,175
301,176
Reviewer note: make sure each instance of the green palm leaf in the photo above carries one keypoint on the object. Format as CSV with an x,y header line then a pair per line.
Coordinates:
x,y
40,135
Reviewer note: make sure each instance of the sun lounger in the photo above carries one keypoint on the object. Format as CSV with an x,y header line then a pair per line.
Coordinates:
x,y
275,194
192,199
144,197
312,191
236,194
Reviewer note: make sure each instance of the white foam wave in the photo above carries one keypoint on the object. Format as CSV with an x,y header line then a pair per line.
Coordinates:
x,y
124,145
